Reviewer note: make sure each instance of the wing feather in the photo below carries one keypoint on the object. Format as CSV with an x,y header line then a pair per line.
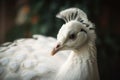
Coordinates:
x,y
27,59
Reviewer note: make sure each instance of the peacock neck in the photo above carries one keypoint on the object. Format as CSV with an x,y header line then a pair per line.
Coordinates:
x,y
87,52
81,65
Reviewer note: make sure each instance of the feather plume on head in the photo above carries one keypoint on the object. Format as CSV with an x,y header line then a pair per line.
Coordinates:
x,y
72,14
76,14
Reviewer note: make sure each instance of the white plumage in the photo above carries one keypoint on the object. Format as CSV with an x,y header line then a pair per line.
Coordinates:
x,y
30,59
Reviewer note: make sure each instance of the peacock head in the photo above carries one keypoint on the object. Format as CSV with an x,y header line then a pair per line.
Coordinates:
x,y
76,32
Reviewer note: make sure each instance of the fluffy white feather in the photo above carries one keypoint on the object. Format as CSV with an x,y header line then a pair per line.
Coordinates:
x,y
27,59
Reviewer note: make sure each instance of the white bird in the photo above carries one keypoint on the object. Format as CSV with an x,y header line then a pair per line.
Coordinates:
x,y
29,59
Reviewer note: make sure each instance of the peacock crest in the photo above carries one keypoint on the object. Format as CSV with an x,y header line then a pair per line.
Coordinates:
x,y
72,14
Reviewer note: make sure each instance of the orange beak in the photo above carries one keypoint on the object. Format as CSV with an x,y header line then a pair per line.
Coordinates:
x,y
55,49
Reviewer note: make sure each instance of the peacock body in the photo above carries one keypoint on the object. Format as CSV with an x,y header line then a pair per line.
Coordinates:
x,y
30,59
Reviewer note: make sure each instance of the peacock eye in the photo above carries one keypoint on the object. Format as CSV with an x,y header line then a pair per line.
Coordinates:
x,y
72,36
82,30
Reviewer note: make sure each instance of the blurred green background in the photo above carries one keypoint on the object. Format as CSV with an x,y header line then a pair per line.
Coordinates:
x,y
23,18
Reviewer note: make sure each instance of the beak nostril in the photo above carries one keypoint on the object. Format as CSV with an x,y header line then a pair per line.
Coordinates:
x,y
58,45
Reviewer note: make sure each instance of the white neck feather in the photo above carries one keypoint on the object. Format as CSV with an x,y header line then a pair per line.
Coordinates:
x,y
81,65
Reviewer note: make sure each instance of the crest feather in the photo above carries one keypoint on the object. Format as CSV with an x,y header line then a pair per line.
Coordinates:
x,y
72,14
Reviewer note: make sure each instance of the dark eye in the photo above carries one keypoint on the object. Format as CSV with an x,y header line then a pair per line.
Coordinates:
x,y
72,36
82,30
